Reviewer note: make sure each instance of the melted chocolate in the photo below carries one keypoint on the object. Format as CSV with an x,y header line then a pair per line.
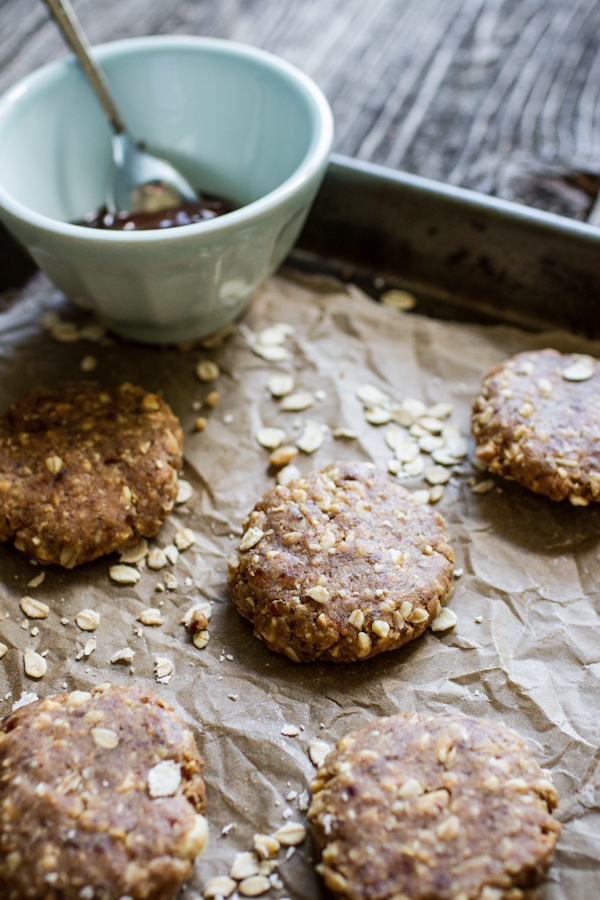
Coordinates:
x,y
186,214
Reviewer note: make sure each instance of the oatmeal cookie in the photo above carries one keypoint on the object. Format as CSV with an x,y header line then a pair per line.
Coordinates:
x,y
537,421
85,470
101,796
341,565
454,808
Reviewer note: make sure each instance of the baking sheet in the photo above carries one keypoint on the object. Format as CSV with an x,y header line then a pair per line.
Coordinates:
x,y
531,570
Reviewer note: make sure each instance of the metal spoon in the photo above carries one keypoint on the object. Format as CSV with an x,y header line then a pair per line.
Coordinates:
x,y
142,182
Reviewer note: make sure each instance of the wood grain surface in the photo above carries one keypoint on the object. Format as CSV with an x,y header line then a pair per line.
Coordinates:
x,y
496,95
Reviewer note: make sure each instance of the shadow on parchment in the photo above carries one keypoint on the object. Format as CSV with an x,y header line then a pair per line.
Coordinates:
x,y
535,522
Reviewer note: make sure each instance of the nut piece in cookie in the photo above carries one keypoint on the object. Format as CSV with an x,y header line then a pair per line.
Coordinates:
x,y
341,565
537,421
102,796
85,470
453,807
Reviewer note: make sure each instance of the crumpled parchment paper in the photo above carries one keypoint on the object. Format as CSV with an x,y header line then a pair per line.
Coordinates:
x,y
525,650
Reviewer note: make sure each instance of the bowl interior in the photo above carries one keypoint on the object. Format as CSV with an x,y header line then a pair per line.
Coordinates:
x,y
236,123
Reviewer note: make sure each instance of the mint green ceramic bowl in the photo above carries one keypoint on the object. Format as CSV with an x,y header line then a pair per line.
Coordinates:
x,y
238,122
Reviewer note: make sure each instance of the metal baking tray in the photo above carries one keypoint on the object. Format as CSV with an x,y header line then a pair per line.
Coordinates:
x,y
464,255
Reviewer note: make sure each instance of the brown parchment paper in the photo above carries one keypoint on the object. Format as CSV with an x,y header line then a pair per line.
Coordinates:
x,y
531,572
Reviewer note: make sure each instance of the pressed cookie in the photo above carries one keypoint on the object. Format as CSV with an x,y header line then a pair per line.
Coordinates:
x,y
439,807
537,421
101,798
85,470
341,565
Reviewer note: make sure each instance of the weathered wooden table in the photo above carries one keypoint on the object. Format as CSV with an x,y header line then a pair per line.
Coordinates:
x,y
496,95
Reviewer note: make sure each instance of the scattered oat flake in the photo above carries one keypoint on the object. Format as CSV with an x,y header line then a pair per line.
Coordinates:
x,y
200,639
65,332
162,669
318,750
24,700
184,539
270,438
421,497
184,491
414,467
87,619
35,665
151,616
378,415
436,493
3,650
288,473
172,554
171,582
35,582
124,574
134,554
254,886
446,619
581,370
440,410
157,559
34,609
282,456
290,731
407,450
443,457
298,402
275,334
370,396
164,779
207,370
90,646
227,828
94,331
437,475
457,573
344,434
401,300
280,384
123,656
290,834
312,437
483,487
272,352
245,864
219,886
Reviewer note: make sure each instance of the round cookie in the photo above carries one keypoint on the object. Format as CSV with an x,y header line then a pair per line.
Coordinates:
x,y
454,808
537,421
101,797
341,565
85,470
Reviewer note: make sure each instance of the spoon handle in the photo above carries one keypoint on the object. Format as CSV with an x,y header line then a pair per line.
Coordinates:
x,y
63,14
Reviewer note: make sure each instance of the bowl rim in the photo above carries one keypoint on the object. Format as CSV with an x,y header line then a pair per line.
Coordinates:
x,y
312,162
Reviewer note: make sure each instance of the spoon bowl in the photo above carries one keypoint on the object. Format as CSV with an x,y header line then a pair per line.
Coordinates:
x,y
144,182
